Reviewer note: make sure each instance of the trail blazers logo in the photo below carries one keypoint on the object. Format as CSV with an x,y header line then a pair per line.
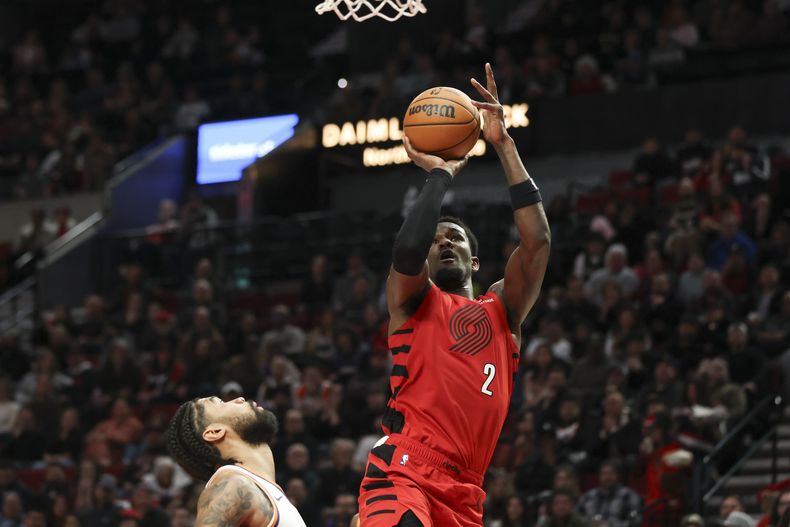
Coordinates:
x,y
471,329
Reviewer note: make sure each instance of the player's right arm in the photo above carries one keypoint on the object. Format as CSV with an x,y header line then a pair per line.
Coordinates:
x,y
407,282
232,500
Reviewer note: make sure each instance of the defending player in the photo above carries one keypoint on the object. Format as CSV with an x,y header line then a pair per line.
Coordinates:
x,y
454,356
227,444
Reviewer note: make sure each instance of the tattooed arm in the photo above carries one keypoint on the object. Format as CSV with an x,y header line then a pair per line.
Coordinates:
x,y
233,501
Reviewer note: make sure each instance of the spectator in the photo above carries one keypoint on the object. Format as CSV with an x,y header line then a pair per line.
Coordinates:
x,y
516,514
745,362
297,465
339,478
663,464
35,518
666,52
612,502
192,111
45,366
545,79
718,208
37,233
576,308
728,505
588,374
317,289
105,443
344,510
283,337
739,519
773,335
766,300
309,395
664,388
10,483
167,480
296,491
560,511
26,443
103,510
119,376
13,513
730,238
9,408
197,221
63,221
166,224
616,270
778,511
344,290
293,431
66,445
680,28
692,520
684,237
652,164
536,473
551,334
591,259
617,435
203,296
145,503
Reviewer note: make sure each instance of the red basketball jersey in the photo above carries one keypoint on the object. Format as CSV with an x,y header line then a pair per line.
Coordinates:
x,y
453,366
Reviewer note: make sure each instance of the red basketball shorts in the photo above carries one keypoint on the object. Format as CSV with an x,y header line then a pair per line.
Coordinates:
x,y
405,481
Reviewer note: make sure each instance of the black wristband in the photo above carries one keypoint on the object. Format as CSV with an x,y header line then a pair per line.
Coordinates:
x,y
524,194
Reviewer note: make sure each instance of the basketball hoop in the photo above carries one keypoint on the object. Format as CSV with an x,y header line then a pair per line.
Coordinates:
x,y
361,10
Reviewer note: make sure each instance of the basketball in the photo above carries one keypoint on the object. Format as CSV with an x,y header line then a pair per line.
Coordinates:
x,y
442,121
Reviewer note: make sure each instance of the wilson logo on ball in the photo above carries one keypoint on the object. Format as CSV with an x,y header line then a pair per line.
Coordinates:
x,y
442,110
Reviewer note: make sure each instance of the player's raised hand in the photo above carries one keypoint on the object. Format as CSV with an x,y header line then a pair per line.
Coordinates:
x,y
493,114
430,162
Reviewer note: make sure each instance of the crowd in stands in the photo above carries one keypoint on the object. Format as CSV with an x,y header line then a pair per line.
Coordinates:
x,y
566,48
664,323
82,90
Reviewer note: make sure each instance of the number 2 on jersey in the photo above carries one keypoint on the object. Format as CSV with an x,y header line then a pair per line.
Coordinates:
x,y
490,370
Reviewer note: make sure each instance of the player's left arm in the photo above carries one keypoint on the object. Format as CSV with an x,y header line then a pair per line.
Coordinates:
x,y
527,265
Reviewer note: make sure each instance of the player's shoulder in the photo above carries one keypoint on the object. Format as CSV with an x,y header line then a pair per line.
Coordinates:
x,y
498,288
231,499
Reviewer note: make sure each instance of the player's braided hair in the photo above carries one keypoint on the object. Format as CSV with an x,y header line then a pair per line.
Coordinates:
x,y
186,445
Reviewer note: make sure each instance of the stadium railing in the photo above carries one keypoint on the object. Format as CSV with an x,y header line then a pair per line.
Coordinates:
x,y
705,469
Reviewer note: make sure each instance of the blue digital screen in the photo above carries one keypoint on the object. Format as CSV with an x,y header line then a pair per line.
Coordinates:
x,y
226,148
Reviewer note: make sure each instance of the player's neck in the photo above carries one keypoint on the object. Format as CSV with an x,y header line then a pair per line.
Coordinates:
x,y
466,290
258,460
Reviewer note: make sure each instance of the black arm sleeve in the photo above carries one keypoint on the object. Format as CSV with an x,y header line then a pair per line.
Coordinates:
x,y
416,234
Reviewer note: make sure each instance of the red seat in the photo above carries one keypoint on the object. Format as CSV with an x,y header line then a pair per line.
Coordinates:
x,y
5,250
640,196
620,178
780,162
669,194
591,202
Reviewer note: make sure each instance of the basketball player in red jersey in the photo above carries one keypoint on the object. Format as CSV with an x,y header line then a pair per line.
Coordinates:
x,y
454,356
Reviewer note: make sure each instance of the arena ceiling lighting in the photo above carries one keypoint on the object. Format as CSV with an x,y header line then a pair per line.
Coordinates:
x,y
226,148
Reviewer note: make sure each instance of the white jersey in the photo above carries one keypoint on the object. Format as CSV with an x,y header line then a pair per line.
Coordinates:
x,y
285,514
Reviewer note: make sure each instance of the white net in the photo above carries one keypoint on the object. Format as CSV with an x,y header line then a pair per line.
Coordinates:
x,y
361,10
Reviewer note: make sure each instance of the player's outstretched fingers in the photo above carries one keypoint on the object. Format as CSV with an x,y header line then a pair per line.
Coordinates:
x,y
486,106
491,82
484,92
